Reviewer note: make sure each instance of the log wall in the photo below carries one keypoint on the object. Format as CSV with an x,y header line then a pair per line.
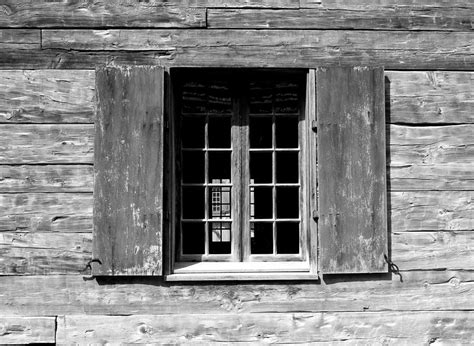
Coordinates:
x,y
48,53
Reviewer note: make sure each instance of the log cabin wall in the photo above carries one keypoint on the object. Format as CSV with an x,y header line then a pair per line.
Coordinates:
x,y
49,51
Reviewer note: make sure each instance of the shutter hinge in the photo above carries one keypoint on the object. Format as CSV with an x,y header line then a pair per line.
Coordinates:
x,y
314,125
166,124
315,215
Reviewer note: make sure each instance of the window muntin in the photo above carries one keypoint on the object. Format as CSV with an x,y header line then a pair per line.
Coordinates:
x,y
241,147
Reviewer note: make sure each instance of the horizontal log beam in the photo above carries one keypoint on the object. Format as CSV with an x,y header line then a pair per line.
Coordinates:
x,y
27,330
46,212
43,14
431,210
72,295
360,327
324,17
247,48
47,96
20,38
430,97
50,178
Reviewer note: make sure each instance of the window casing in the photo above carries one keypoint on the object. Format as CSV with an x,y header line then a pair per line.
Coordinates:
x,y
241,151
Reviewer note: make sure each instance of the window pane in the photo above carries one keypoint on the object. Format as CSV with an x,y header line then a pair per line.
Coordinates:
x,y
193,166
220,100
288,237
286,130
219,167
192,132
220,238
219,132
193,202
286,98
220,199
194,97
260,132
261,237
287,169
261,98
260,167
261,202
193,237
287,199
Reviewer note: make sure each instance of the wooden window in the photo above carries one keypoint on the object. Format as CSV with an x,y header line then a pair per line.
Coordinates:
x,y
253,168
241,148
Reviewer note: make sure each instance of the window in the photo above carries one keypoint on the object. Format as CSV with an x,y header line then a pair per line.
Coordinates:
x,y
253,174
240,153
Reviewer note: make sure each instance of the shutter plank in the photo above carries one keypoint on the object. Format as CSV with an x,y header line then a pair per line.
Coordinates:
x,y
351,153
128,171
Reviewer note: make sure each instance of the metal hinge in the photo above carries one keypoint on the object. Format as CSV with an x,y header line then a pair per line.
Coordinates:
x,y
314,125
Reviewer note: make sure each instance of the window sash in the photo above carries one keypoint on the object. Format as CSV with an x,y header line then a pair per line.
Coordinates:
x,y
240,187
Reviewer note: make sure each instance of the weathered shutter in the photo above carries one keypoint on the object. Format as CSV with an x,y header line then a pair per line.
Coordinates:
x,y
350,113
128,164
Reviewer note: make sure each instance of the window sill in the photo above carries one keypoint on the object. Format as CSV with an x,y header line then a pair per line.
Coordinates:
x,y
232,271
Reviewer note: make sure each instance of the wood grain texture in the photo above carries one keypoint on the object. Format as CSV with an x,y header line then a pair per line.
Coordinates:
x,y
46,143
428,145
351,169
437,177
27,330
46,212
46,178
429,97
370,5
363,327
72,295
20,38
261,48
47,96
128,165
426,210
43,253
115,13
433,250
375,18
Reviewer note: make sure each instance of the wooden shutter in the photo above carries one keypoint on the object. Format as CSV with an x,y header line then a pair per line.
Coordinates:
x,y
350,112
128,164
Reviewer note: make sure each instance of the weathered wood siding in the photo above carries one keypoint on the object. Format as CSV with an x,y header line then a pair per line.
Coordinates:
x,y
48,53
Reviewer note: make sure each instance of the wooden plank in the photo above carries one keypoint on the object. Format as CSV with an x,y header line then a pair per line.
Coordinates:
x,y
362,327
72,295
27,330
46,143
128,164
351,170
258,48
377,18
47,96
115,13
46,178
431,210
46,212
429,97
433,250
20,38
430,145
438,177
370,4
44,253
